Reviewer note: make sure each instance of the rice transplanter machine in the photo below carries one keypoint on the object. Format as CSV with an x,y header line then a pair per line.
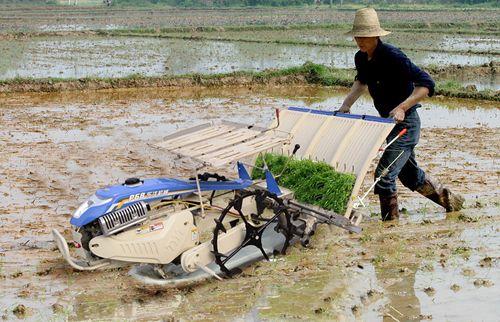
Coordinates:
x,y
158,223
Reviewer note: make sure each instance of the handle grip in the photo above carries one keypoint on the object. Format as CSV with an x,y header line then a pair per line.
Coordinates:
x,y
295,149
403,132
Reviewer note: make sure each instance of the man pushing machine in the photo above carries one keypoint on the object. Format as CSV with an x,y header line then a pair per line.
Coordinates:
x,y
396,86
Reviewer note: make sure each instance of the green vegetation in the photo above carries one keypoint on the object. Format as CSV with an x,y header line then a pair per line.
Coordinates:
x,y
464,251
309,73
449,85
315,183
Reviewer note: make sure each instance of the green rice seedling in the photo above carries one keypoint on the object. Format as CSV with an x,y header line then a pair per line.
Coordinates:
x,y
315,183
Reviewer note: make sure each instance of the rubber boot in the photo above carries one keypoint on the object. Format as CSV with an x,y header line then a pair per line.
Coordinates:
x,y
389,207
441,195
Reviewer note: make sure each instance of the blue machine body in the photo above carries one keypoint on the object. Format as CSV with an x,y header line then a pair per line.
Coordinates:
x,y
118,196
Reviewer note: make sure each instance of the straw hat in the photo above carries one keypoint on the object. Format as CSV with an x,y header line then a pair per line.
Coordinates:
x,y
366,24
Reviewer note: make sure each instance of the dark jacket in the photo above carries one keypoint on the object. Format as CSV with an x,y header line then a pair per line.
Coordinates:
x,y
390,76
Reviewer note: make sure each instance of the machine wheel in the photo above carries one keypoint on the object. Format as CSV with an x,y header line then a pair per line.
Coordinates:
x,y
255,223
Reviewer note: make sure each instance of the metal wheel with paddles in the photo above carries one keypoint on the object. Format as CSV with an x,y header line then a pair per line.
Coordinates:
x,y
257,210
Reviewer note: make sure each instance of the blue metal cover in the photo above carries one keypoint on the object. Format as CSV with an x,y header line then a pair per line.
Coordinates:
x,y
150,190
346,115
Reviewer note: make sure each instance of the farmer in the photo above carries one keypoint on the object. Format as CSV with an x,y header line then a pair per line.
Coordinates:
x,y
396,86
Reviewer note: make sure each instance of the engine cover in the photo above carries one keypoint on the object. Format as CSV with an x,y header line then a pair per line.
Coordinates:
x,y
159,241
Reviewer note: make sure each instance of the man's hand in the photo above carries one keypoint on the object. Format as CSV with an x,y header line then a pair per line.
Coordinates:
x,y
398,113
418,94
345,109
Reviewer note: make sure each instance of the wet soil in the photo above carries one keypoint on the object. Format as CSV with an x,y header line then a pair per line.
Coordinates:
x,y
67,18
482,77
408,40
56,149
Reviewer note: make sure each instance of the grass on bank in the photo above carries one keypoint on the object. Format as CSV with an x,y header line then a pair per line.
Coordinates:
x,y
315,183
312,74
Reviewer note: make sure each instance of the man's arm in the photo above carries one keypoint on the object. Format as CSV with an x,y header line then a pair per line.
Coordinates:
x,y
356,90
424,86
418,94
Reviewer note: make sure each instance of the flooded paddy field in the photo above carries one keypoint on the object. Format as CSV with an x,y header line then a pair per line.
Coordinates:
x,y
25,19
105,57
56,149
124,56
413,40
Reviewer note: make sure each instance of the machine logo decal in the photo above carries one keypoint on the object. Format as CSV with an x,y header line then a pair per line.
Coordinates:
x,y
147,195
150,228
194,234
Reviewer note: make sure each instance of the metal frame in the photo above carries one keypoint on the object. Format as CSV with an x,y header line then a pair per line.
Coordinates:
x,y
348,142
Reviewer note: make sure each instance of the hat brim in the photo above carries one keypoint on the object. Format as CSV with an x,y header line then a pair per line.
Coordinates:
x,y
368,33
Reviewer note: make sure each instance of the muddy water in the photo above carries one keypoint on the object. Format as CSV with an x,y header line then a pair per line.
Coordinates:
x,y
471,43
466,273
120,57
55,150
404,39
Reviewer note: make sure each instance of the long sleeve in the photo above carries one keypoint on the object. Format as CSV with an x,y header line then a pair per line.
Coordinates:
x,y
406,69
360,69
422,79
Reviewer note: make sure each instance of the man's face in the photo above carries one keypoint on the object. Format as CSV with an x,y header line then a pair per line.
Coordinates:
x,y
366,44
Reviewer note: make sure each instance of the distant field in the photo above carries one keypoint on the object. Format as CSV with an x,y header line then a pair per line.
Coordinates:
x,y
70,42
67,18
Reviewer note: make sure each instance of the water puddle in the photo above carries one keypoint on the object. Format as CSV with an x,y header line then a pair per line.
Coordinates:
x,y
491,83
471,43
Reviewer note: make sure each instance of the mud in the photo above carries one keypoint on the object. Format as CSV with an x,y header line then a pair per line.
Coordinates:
x,y
56,149
480,77
409,41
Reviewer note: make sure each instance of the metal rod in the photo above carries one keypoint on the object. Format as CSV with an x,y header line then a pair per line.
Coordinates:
x,y
295,149
312,209
209,271
400,134
383,174
199,193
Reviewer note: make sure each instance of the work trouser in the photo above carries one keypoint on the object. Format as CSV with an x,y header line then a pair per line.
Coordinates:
x,y
405,168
